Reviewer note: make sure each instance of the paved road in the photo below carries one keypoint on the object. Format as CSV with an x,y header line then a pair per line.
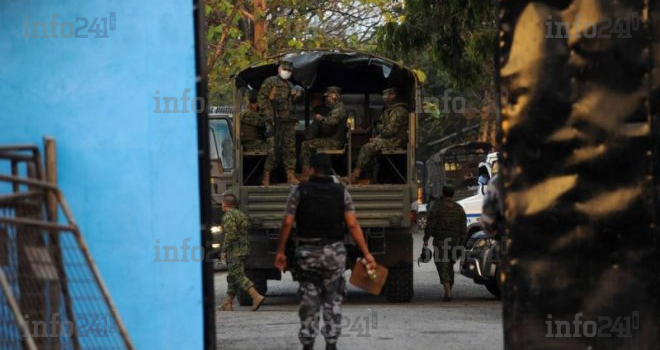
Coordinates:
x,y
472,321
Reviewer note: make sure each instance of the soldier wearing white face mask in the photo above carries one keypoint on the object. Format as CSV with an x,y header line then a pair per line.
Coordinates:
x,y
276,97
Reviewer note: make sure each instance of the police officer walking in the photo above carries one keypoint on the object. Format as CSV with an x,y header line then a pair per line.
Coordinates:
x,y
447,225
235,249
276,97
319,208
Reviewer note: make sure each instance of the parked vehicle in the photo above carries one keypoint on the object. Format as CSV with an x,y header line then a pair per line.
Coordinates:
x,y
383,204
458,165
481,260
222,167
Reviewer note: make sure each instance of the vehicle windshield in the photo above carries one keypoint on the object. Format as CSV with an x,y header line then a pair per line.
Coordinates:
x,y
221,143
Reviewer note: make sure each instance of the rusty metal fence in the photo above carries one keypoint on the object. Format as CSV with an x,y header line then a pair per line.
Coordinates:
x,y
51,293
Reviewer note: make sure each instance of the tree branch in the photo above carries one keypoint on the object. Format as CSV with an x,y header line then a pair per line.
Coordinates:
x,y
225,32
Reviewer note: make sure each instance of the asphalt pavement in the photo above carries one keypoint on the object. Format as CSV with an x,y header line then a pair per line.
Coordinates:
x,y
472,321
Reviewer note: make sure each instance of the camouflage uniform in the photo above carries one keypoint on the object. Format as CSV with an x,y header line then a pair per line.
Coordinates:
x,y
279,90
446,222
253,126
394,134
322,285
321,278
331,133
237,248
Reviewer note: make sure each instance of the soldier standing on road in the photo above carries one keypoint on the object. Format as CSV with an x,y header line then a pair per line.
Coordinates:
x,y
275,99
235,249
447,225
319,208
394,133
253,127
332,128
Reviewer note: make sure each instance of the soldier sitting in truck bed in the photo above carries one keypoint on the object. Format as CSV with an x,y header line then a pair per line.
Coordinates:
x,y
393,134
253,127
332,133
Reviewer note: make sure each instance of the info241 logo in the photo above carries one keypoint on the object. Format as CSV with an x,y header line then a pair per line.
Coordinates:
x,y
98,27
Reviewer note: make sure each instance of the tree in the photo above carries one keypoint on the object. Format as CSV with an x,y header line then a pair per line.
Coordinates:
x,y
459,35
453,41
243,32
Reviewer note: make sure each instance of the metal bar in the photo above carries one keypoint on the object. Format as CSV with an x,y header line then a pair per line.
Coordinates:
x,y
104,290
261,159
350,156
50,175
18,157
29,182
394,167
36,223
28,342
20,195
14,172
27,147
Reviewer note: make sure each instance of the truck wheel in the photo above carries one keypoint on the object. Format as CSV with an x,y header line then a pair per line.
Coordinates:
x,y
257,277
399,285
421,222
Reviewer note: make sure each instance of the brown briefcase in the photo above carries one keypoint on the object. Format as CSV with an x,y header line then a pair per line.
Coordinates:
x,y
360,278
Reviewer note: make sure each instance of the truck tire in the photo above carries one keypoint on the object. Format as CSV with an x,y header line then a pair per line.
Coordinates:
x,y
399,285
495,287
421,222
258,277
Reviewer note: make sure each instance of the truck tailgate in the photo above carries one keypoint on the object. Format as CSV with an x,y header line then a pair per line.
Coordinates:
x,y
375,205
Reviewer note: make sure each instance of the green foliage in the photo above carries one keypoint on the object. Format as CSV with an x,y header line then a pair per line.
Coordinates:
x,y
457,35
288,25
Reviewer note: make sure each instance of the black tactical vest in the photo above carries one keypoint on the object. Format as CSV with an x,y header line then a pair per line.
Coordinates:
x,y
320,212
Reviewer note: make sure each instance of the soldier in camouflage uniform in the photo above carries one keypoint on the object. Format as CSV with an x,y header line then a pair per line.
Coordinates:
x,y
447,225
235,249
393,134
320,208
276,97
253,128
332,128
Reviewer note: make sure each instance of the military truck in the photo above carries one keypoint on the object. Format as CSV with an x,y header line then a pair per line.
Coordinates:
x,y
221,155
383,202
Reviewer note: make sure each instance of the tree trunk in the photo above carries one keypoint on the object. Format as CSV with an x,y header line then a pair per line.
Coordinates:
x,y
260,26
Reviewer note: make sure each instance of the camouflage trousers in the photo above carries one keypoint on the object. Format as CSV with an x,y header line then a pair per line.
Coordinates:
x,y
444,264
287,142
373,148
322,285
267,146
313,145
236,279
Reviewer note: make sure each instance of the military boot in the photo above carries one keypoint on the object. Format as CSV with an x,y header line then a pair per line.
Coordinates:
x,y
257,299
330,346
265,180
305,173
291,178
308,346
226,304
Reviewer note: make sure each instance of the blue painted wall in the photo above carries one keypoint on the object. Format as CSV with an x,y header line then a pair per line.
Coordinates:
x,y
129,174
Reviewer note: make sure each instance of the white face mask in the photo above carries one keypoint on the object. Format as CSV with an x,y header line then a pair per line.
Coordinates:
x,y
285,74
